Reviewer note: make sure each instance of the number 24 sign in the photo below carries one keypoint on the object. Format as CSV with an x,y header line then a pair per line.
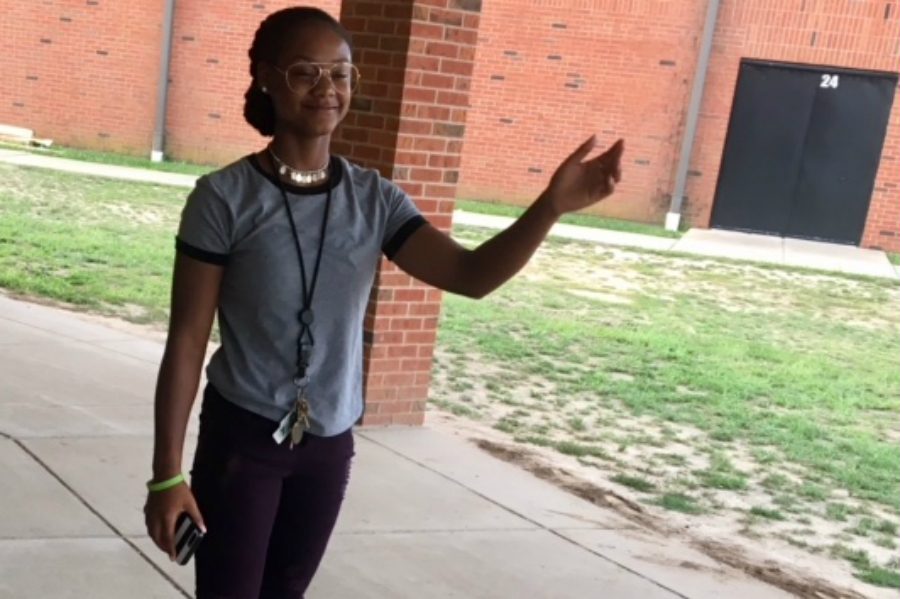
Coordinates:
x,y
830,81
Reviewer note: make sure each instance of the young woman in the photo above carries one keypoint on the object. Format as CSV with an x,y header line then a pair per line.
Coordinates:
x,y
285,244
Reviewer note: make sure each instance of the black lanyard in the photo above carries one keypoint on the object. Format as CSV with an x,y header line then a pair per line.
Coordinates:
x,y
305,316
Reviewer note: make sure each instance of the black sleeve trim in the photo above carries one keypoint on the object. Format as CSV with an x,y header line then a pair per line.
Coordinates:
x,y
396,242
202,255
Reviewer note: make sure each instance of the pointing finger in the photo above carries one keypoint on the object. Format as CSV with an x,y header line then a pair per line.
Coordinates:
x,y
583,150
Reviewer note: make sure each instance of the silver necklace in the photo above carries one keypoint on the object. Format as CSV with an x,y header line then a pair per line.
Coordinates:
x,y
298,176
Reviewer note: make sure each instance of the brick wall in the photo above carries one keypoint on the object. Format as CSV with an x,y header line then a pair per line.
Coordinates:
x,y
544,81
883,225
624,69
210,73
82,72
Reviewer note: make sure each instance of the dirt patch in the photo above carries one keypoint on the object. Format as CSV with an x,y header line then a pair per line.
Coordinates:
x,y
768,571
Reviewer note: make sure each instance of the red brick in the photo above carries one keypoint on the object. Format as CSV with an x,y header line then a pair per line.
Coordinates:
x,y
407,324
427,206
416,365
461,36
420,337
423,63
418,94
444,161
384,365
381,394
437,81
424,309
368,9
446,17
413,159
390,407
399,379
425,175
442,49
440,191
430,145
457,67
427,31
409,295
413,189
403,351
453,98
388,337
414,127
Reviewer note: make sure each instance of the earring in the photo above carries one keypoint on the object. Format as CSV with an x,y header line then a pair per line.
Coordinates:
x,y
265,89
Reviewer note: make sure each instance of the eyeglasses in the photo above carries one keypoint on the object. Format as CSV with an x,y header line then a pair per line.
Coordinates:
x,y
303,76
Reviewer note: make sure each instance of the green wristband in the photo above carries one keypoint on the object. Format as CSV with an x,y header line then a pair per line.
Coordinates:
x,y
166,484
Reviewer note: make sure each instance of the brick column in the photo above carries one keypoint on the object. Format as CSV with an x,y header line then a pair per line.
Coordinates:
x,y
408,119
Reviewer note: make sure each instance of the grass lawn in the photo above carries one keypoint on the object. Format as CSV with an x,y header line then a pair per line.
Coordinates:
x,y
100,243
584,220
703,386
700,386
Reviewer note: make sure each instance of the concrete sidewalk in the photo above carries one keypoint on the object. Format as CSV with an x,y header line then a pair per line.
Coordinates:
x,y
427,514
713,243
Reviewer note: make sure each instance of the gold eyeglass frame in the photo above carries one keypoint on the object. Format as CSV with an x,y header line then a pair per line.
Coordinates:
x,y
324,67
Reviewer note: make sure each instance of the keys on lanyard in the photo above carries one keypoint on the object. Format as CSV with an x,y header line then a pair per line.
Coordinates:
x,y
301,419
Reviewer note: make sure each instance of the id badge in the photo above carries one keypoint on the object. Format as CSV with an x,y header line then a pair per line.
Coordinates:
x,y
284,427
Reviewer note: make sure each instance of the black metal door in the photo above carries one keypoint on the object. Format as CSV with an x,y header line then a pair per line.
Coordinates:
x,y
841,156
763,149
802,151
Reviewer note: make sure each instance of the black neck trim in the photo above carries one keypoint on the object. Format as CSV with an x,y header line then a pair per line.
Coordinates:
x,y
337,173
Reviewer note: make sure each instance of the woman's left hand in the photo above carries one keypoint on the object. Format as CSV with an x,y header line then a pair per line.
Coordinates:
x,y
577,183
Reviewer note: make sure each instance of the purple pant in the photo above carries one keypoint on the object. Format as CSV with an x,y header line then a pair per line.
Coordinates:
x,y
269,510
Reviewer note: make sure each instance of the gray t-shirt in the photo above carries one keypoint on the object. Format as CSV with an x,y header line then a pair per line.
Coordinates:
x,y
236,217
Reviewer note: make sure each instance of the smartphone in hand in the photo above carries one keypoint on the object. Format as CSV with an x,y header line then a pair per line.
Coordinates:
x,y
187,538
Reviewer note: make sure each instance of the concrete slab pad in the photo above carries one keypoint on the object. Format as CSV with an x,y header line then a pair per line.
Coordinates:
x,y
108,472
183,576
16,333
834,257
69,371
41,416
387,492
141,349
609,237
731,244
34,504
674,565
495,480
485,565
77,569
55,321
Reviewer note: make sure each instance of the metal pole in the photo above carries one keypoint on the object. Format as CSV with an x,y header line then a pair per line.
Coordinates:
x,y
159,129
673,218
